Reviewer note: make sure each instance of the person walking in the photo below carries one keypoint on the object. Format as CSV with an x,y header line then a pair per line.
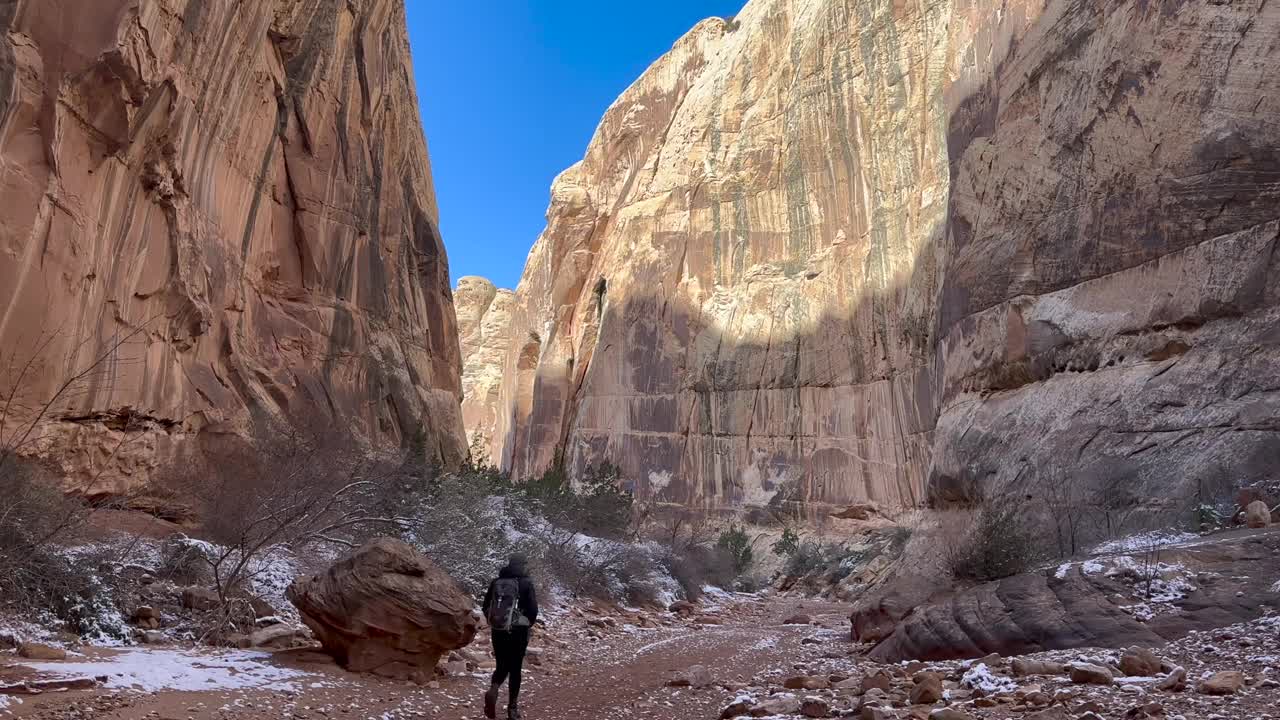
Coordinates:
x,y
511,607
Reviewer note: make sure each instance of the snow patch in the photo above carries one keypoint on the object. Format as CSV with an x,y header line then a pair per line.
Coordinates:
x,y
1144,541
980,677
182,671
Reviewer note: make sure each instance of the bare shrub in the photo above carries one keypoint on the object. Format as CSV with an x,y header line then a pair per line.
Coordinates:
x,y
297,487
1000,544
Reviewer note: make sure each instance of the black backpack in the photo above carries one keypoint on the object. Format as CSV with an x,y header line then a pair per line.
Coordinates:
x,y
506,604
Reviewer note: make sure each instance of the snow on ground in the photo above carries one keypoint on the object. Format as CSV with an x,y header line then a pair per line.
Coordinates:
x,y
154,670
1143,542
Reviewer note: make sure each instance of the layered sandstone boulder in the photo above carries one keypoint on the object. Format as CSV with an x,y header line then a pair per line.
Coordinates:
x,y
484,319
386,609
231,205
1104,602
901,252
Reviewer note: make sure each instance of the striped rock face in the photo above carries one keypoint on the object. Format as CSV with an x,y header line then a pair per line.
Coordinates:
x,y
240,191
900,251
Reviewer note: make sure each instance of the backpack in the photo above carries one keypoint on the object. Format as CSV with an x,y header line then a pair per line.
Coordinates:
x,y
506,604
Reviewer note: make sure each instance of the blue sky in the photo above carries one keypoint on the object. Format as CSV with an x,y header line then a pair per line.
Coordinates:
x,y
511,93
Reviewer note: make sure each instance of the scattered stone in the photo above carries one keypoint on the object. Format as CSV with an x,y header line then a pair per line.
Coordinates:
x,y
874,712
949,714
695,677
200,599
1175,681
927,689
682,607
1057,712
880,680
992,660
735,709
1140,662
813,707
39,651
798,619
1024,668
1227,682
776,705
153,637
806,682
1089,674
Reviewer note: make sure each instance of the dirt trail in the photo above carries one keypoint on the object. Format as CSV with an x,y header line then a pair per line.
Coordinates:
x,y
615,672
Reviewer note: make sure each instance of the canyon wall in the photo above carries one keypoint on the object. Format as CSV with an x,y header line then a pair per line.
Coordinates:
x,y
484,318
858,249
225,212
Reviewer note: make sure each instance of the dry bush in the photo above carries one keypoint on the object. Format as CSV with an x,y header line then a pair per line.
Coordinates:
x,y
1001,543
303,485
689,551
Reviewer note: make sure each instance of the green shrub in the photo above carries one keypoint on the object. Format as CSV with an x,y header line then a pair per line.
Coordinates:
x,y
737,545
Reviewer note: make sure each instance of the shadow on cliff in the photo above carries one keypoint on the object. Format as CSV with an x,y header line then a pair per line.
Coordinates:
x,y
845,403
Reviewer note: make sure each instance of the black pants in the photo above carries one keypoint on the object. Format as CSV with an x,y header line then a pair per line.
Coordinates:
x,y
509,649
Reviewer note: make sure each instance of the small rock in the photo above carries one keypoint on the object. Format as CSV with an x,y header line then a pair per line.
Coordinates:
x,y
38,651
948,714
681,607
1140,662
927,689
1222,683
798,619
813,707
880,680
274,636
735,709
200,599
153,637
992,660
1057,712
695,677
1089,674
776,705
1024,668
806,682
874,712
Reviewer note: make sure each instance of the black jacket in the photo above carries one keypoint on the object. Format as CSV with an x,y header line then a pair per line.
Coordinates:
x,y
528,596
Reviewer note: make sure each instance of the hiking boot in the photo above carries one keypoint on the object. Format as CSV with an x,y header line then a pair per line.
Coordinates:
x,y
513,713
491,702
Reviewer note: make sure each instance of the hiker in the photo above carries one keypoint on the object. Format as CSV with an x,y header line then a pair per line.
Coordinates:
x,y
511,606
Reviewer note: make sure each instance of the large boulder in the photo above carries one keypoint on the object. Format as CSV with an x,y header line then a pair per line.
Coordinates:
x,y
386,609
1257,514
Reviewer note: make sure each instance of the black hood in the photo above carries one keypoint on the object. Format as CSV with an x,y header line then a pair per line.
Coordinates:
x,y
517,567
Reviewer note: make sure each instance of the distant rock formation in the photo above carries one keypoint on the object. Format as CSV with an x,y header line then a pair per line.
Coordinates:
x,y
898,252
242,190
484,318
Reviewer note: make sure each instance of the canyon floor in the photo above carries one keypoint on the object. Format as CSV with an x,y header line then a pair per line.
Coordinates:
x,y
601,665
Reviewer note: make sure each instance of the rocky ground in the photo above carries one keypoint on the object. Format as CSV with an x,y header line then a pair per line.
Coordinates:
x,y
729,656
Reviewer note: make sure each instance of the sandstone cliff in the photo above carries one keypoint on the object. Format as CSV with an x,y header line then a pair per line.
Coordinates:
x,y
892,250
484,318
242,193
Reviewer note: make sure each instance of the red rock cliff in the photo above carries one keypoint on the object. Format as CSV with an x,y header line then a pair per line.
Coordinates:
x,y
893,250
241,189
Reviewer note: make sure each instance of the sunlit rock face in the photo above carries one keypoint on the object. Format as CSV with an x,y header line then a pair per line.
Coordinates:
x,y
240,189
897,251
484,319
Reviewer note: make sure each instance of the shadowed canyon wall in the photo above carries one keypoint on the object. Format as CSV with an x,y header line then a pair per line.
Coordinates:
x,y
897,251
242,193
